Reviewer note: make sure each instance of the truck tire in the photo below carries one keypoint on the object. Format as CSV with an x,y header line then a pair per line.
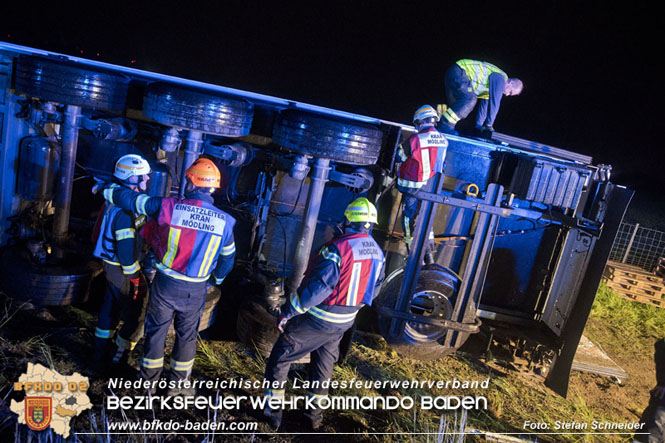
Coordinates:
x,y
344,142
434,296
45,285
186,108
68,83
209,310
256,328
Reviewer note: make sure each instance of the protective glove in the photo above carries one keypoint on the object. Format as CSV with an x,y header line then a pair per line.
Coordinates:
x,y
134,284
99,185
282,323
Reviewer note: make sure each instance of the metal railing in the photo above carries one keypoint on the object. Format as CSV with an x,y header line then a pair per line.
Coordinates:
x,y
638,246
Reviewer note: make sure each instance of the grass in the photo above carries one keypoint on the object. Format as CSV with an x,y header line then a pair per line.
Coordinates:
x,y
513,398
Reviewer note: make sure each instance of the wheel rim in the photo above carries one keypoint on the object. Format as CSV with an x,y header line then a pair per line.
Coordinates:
x,y
433,304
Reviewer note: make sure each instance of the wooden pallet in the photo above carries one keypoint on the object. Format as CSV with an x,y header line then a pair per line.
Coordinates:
x,y
635,283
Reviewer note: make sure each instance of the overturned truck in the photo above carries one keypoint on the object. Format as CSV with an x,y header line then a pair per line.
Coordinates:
x,y
521,230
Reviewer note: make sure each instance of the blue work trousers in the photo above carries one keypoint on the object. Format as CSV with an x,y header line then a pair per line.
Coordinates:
x,y
459,93
303,335
181,302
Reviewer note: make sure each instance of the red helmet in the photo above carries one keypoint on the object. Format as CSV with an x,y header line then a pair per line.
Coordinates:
x,y
204,174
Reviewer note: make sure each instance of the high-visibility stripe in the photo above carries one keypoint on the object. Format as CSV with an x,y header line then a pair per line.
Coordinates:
x,y
228,249
451,116
111,262
182,365
140,203
354,284
295,302
410,184
209,256
102,333
123,234
124,344
174,238
331,316
328,255
427,165
279,393
108,192
177,275
152,363
131,269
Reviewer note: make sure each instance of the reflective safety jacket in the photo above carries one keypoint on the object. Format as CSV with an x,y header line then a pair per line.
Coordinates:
x,y
479,74
117,242
192,240
427,151
345,274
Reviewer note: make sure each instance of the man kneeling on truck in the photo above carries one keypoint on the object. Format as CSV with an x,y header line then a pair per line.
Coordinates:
x,y
345,274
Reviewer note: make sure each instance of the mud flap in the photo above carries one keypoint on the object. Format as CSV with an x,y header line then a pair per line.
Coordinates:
x,y
617,203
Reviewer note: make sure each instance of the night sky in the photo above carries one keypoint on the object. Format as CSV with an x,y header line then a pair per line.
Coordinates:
x,y
592,74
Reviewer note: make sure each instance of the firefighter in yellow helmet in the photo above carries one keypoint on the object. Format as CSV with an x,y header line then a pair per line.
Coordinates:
x,y
194,246
344,275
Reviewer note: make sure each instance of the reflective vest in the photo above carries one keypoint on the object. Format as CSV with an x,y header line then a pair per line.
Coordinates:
x,y
360,267
479,75
106,239
189,236
426,148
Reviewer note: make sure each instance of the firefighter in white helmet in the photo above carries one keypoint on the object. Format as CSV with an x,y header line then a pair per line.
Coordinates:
x,y
421,157
120,247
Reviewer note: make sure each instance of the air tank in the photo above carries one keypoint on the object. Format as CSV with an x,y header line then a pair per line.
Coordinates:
x,y
37,169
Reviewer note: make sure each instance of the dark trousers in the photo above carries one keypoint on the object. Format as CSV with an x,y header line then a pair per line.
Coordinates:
x,y
118,305
654,419
303,336
410,206
181,302
459,93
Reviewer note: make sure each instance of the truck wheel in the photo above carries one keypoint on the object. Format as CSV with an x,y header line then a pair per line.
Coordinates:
x,y
68,83
181,107
256,328
434,297
344,142
45,285
209,310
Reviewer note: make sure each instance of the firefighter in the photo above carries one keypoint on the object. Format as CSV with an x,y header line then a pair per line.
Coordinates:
x,y
120,248
345,274
194,246
421,157
468,81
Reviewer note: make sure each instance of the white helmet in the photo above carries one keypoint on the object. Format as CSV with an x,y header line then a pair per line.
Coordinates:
x,y
131,165
425,112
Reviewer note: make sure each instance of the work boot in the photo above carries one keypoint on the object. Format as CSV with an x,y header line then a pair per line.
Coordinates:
x,y
446,127
315,418
183,392
273,417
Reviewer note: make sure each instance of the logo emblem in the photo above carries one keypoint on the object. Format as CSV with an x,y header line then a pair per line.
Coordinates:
x,y
38,412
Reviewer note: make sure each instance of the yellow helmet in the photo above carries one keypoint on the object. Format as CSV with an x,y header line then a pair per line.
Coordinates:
x,y
360,210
